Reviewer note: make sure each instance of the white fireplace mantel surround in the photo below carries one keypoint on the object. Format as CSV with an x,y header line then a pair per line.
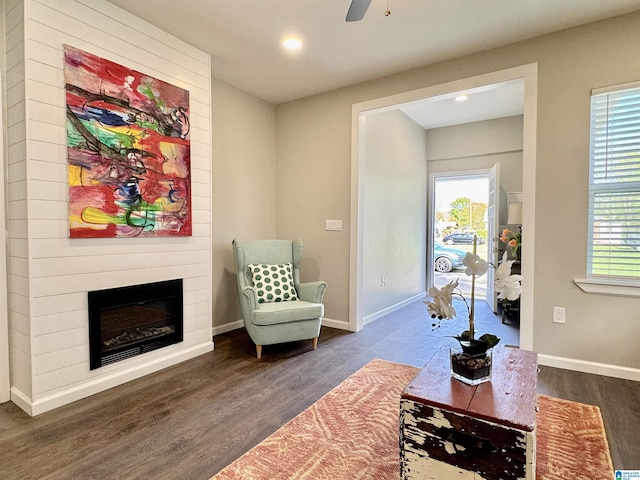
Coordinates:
x,y
49,274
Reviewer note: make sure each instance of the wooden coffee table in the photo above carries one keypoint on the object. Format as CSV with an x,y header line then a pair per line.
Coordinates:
x,y
452,430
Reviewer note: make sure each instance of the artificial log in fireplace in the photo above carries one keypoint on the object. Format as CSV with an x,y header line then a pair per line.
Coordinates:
x,y
129,321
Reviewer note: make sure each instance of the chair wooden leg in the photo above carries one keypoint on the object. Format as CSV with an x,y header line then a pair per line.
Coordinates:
x,y
259,350
315,343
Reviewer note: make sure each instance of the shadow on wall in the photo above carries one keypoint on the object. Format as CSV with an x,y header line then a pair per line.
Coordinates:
x,y
309,270
226,304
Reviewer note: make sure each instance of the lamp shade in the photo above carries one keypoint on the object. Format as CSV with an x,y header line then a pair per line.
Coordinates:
x,y
515,214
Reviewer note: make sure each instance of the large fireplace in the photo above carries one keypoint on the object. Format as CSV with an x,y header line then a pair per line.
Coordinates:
x,y
129,321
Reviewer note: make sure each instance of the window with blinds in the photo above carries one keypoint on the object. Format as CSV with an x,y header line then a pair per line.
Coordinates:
x,y
614,184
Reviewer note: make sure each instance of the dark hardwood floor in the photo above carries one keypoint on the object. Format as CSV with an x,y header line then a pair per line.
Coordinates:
x,y
190,420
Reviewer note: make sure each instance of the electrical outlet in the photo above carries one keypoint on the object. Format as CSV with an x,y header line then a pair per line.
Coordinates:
x,y
383,281
559,314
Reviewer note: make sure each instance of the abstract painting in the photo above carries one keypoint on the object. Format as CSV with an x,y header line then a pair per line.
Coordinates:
x,y
128,151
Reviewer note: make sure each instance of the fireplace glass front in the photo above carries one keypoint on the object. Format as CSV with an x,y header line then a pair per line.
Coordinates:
x,y
129,321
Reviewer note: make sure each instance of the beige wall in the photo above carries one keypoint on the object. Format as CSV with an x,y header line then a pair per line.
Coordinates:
x,y
313,141
474,139
394,211
244,187
480,145
313,144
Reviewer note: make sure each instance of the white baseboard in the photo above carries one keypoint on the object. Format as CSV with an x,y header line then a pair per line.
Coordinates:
x,y
227,327
21,400
584,366
392,308
339,324
101,384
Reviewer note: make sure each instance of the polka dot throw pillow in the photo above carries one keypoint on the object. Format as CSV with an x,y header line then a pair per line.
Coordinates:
x,y
273,283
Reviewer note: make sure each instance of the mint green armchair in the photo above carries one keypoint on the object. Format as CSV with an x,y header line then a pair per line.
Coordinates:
x,y
275,311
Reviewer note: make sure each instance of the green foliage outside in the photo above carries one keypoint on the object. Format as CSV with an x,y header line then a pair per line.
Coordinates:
x,y
468,215
629,266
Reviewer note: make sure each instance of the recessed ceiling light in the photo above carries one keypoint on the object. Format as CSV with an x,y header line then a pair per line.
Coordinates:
x,y
292,44
461,98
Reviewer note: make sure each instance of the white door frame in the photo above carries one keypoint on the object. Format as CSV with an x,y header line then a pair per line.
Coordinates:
x,y
529,73
493,224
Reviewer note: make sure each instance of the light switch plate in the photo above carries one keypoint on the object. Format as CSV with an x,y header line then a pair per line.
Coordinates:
x,y
333,225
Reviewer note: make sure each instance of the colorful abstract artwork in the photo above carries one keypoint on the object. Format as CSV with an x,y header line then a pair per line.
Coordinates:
x,y
128,150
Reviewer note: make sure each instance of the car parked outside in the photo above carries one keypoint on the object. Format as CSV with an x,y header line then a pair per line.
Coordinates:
x,y
446,259
461,239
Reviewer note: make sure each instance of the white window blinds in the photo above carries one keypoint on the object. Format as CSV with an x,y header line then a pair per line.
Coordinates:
x,y
614,185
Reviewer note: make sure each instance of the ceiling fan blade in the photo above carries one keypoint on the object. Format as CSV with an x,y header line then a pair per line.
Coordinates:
x,y
357,9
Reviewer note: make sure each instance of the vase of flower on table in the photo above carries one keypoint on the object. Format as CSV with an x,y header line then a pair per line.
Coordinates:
x,y
513,241
471,359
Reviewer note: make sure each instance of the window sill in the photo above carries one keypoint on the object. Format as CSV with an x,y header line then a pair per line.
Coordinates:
x,y
609,287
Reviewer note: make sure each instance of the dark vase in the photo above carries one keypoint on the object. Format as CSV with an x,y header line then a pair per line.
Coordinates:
x,y
470,369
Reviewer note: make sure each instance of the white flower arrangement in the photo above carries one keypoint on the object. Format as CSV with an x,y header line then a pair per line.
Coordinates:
x,y
507,286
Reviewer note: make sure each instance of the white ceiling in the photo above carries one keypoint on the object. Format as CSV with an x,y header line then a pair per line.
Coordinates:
x,y
499,100
243,36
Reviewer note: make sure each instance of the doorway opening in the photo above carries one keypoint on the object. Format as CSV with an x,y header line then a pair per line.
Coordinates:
x,y
526,75
459,211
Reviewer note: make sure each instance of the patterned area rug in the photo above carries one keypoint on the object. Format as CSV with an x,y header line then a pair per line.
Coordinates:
x,y
352,433
571,441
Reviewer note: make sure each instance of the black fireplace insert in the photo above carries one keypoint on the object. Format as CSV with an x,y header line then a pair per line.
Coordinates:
x,y
129,321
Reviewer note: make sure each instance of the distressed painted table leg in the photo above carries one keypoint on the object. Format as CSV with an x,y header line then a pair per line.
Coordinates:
x,y
449,430
438,444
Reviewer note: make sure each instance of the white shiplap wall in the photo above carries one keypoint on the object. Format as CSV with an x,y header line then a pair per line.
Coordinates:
x,y
54,273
